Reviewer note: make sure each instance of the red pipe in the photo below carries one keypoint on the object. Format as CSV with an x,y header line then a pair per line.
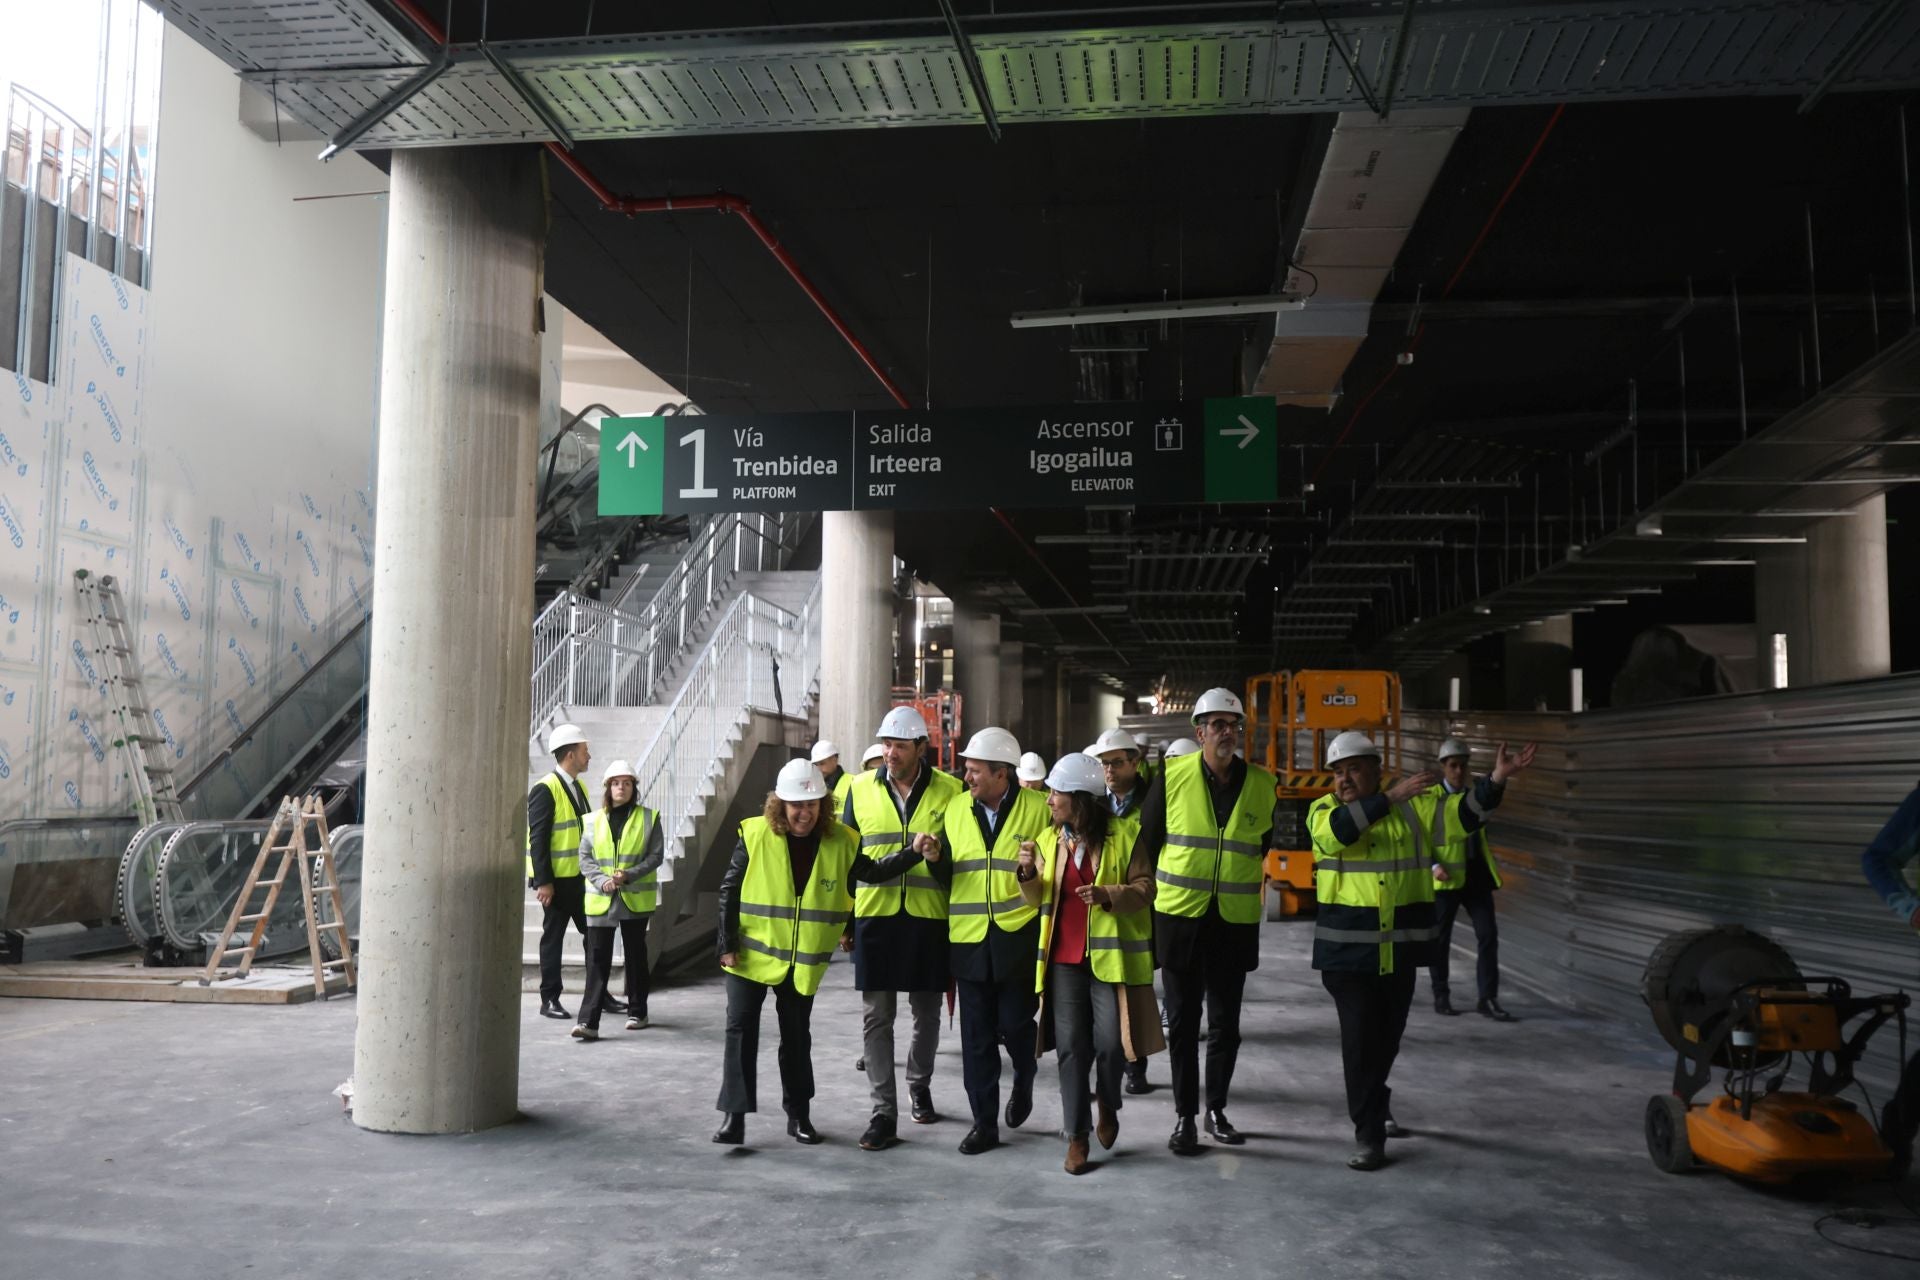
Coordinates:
x,y
718,202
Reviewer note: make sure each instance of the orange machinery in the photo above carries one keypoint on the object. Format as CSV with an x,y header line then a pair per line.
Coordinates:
x,y
1732,999
941,710
1291,717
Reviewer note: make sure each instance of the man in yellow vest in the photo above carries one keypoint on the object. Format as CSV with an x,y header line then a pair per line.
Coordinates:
x,y
557,809
1119,757
826,758
1470,881
900,925
1205,824
993,931
1374,874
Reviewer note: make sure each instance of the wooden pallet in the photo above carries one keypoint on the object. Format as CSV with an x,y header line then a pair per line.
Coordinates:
x,y
121,979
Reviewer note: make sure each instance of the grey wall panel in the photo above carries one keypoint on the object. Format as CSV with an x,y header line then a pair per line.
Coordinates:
x,y
1752,808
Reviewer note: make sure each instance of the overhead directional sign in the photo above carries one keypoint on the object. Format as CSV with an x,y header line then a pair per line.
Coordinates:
x,y
1222,450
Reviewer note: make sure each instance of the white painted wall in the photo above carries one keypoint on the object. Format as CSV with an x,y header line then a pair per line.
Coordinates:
x,y
209,443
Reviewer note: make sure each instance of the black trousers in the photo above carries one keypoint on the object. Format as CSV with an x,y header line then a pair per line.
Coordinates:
x,y
1220,985
1900,1118
992,1014
795,1015
633,939
1373,1014
569,903
1486,938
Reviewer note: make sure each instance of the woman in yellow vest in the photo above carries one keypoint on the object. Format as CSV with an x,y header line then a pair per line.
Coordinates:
x,y
1094,970
620,855
784,902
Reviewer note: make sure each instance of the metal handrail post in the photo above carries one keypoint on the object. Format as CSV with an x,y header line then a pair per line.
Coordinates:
x,y
573,640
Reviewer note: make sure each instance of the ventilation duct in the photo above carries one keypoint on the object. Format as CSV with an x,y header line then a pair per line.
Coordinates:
x,y
1373,182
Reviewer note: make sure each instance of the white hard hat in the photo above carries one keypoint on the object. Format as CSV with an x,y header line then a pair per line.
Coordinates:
x,y
1032,768
902,722
872,753
1218,700
1113,740
1077,771
1350,744
800,780
617,769
1180,747
1453,747
995,744
825,749
564,735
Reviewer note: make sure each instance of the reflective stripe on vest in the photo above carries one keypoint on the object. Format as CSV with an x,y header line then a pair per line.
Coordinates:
x,y
1376,894
1202,862
985,887
624,855
882,834
563,844
1119,945
778,932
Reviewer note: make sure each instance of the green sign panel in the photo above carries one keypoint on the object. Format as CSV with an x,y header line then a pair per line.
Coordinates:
x,y
633,463
1243,449
1224,450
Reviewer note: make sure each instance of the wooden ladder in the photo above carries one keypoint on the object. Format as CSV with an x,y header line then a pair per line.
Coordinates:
x,y
287,837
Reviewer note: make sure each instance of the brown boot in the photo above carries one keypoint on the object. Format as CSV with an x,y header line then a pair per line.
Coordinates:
x,y
1107,1127
1077,1154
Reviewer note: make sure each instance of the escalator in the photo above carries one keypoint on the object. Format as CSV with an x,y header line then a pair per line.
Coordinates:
x,y
70,886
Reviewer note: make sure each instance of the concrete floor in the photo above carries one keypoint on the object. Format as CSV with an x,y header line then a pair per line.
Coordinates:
x,y
146,1140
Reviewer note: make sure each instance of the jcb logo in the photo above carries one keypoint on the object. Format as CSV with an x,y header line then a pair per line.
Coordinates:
x,y
1339,700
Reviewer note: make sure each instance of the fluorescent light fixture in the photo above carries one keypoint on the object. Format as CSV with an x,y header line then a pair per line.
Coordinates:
x,y
1249,305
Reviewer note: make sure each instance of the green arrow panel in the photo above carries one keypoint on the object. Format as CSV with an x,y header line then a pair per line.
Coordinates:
x,y
633,455
1243,449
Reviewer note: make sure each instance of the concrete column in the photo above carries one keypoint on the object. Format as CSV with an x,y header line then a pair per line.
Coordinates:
x,y
1012,684
437,1049
1062,713
1539,662
976,666
856,624
1829,598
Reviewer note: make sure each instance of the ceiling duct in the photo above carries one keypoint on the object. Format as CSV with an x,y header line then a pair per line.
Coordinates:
x,y
1373,182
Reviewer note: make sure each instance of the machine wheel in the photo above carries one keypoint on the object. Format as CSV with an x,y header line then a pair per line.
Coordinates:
x,y
1276,902
1667,1134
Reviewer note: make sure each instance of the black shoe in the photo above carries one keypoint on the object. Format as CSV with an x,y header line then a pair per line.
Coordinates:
x,y
611,1005
1368,1158
553,1009
1185,1141
801,1129
880,1134
860,1065
1221,1130
1020,1103
1490,1008
1444,1007
1394,1130
975,1142
923,1112
1137,1081
734,1131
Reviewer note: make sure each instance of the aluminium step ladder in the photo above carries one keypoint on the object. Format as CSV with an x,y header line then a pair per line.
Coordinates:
x,y
139,739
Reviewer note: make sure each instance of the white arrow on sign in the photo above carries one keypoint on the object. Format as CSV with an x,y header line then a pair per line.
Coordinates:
x,y
632,443
1246,431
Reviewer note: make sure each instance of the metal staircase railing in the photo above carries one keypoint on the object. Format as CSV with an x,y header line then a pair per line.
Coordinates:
x,y
607,654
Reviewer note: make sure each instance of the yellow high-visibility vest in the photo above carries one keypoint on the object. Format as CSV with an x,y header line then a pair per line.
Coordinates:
x,y
1119,944
782,933
642,895
1202,861
563,844
882,834
985,884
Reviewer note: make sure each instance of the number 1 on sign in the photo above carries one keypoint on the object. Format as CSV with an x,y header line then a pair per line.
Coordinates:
x,y
698,439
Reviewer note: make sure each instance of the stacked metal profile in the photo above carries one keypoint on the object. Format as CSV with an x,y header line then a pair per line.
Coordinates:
x,y
1752,808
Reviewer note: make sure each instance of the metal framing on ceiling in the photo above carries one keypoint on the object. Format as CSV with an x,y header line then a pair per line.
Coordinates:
x,y
330,61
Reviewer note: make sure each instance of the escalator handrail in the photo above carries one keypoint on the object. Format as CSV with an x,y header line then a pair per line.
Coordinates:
x,y
552,447
246,735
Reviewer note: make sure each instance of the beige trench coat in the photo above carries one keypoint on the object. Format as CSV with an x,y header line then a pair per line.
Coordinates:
x,y
1140,1033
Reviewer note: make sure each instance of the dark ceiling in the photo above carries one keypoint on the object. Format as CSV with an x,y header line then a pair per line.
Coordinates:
x,y
1572,239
